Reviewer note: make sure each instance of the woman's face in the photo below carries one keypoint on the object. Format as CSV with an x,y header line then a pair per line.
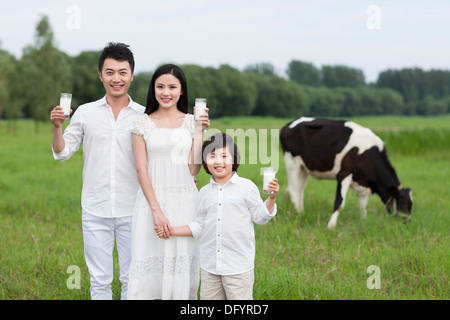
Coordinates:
x,y
167,91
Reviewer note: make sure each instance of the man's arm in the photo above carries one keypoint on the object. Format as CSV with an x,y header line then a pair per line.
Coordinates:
x,y
57,118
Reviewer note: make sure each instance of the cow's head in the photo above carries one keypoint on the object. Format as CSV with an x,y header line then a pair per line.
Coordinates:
x,y
400,202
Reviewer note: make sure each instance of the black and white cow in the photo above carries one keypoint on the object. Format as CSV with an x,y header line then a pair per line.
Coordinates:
x,y
344,151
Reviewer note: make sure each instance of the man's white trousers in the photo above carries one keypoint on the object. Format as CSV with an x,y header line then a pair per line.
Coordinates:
x,y
99,235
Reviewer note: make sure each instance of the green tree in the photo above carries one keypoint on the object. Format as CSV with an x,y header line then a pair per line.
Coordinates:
x,y
370,101
303,73
86,82
341,76
139,87
264,68
237,97
351,101
324,102
278,97
44,73
7,70
206,83
391,101
421,90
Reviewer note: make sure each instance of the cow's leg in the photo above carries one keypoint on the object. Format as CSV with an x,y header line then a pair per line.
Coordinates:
x,y
339,203
297,179
362,201
303,179
363,198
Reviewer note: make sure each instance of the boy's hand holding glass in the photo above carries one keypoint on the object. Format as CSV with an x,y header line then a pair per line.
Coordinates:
x,y
273,187
269,176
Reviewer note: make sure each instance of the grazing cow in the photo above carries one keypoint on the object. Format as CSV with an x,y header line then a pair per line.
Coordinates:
x,y
347,152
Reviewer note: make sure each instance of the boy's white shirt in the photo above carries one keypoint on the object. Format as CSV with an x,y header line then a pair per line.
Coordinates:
x,y
224,225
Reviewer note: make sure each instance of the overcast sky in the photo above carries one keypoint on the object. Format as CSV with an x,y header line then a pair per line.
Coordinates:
x,y
369,35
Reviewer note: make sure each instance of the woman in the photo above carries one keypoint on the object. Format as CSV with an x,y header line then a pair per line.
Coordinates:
x,y
166,141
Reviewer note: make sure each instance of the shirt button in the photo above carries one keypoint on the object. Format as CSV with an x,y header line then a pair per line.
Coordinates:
x,y
218,235
218,250
220,204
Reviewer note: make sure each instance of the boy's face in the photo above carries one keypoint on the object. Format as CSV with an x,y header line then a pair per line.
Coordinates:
x,y
220,163
116,77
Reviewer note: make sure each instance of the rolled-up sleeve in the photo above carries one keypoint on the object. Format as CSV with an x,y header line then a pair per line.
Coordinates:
x,y
258,208
73,137
198,225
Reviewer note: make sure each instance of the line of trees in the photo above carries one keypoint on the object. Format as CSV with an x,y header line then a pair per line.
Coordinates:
x,y
30,86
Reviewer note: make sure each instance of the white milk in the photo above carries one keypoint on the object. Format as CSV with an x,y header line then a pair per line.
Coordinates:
x,y
269,175
65,102
200,106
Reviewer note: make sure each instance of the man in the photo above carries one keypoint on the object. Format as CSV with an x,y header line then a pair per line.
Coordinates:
x,y
110,184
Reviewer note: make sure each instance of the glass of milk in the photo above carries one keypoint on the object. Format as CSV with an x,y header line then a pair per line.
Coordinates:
x,y
269,175
65,101
200,106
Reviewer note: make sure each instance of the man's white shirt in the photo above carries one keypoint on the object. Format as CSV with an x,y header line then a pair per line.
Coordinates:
x,y
110,183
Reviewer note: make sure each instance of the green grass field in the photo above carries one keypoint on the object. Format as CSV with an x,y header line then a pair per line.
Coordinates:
x,y
296,258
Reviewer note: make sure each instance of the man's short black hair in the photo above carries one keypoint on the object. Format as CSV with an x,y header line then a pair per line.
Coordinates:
x,y
218,141
117,51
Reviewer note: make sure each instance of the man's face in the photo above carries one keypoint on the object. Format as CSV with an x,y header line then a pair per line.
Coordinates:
x,y
116,77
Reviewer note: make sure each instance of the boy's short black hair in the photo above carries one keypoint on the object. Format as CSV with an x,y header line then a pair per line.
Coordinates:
x,y
217,141
117,51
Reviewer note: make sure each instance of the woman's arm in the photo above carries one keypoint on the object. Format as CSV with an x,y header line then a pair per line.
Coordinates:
x,y
140,158
195,163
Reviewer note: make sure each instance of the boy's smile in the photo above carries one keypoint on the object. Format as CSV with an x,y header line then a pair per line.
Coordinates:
x,y
220,164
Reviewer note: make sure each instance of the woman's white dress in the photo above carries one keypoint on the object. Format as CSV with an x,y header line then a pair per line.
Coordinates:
x,y
165,269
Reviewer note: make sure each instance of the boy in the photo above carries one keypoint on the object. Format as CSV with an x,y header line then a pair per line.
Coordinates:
x,y
228,206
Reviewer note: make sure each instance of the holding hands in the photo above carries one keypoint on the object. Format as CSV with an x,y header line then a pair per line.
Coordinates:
x,y
162,225
160,232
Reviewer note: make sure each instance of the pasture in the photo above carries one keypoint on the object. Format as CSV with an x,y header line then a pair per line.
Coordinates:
x,y
296,256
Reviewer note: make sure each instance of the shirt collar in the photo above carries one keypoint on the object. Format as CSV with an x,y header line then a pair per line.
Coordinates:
x,y
133,105
234,179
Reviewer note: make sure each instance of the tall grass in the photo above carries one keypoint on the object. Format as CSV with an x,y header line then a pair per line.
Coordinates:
x,y
297,257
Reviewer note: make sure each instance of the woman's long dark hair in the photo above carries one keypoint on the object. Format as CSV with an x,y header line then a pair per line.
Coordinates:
x,y
182,104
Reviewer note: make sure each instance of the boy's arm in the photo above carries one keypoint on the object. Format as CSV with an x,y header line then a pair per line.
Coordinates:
x,y
193,229
182,231
274,188
262,212
176,231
